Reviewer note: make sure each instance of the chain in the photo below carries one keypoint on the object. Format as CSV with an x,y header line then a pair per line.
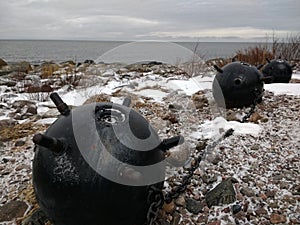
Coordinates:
x,y
156,195
252,107
175,192
156,200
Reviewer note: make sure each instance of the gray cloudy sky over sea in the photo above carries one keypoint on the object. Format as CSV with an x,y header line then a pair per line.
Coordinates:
x,y
219,20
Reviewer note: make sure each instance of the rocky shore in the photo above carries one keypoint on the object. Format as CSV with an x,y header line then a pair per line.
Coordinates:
x,y
257,167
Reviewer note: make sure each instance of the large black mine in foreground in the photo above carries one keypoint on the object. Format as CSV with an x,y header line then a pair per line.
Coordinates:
x,y
97,164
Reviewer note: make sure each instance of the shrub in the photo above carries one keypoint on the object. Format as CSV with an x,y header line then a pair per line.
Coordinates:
x,y
287,48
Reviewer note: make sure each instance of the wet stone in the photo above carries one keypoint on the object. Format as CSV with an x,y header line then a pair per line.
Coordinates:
x,y
12,210
236,208
194,206
223,193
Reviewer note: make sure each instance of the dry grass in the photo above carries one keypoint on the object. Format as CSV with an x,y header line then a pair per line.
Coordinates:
x,y
286,48
21,130
254,55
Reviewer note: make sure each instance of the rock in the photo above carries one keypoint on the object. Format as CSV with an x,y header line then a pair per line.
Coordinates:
x,y
255,117
32,109
175,107
36,218
109,73
179,155
209,178
216,222
271,193
171,117
277,218
261,211
200,100
98,98
223,193
51,113
19,143
176,218
24,67
169,207
21,103
89,61
69,62
245,190
2,63
194,206
24,109
255,147
180,201
12,210
201,145
8,83
236,208
22,167
232,116
7,123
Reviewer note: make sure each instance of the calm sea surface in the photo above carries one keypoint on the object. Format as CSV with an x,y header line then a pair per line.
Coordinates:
x,y
111,51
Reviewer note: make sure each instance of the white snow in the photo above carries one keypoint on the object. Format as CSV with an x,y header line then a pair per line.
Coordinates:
x,y
46,121
296,76
157,95
214,128
190,86
283,88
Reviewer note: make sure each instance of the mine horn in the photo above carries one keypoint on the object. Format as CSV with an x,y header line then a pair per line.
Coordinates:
x,y
168,143
218,69
51,143
260,66
60,105
127,101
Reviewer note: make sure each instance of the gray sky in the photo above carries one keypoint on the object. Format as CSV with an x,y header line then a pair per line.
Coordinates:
x,y
148,19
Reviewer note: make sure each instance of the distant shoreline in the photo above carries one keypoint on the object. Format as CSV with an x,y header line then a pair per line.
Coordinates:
x,y
35,51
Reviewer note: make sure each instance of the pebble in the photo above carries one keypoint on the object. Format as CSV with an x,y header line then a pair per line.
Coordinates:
x,y
169,207
180,201
277,218
12,209
194,206
247,191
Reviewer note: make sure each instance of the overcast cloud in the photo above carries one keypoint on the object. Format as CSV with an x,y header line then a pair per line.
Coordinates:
x,y
148,19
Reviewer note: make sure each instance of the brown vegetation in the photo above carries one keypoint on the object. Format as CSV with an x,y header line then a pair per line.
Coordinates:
x,y
20,131
287,48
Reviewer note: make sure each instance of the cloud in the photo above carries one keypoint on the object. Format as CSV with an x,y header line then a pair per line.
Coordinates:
x,y
136,19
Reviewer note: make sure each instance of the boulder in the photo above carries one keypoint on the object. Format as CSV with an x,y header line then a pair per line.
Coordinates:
x,y
24,67
2,63
6,123
89,61
24,109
